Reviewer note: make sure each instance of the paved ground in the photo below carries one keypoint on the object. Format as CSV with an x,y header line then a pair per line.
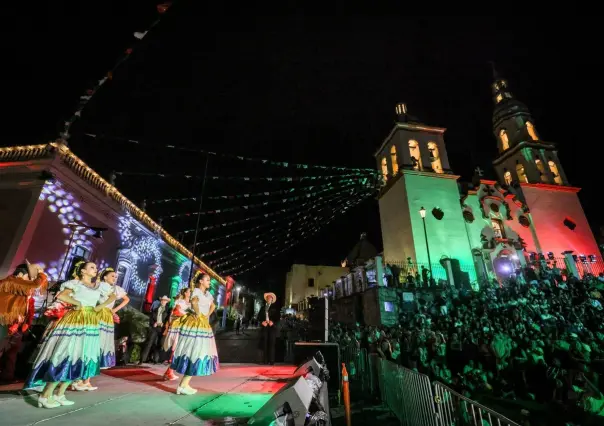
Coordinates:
x,y
242,348
138,396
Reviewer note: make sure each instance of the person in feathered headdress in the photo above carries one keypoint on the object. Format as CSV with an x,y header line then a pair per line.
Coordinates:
x,y
17,312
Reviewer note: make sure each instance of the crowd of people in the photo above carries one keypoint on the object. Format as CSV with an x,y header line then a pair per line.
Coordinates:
x,y
541,340
79,338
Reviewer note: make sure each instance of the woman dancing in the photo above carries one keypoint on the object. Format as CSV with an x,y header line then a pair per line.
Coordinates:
x,y
71,349
107,279
181,307
195,353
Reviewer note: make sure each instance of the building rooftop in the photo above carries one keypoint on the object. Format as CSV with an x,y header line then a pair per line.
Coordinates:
x,y
59,150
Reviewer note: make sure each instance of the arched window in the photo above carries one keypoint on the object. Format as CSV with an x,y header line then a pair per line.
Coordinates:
x,y
531,131
385,169
521,174
394,160
507,176
505,142
555,172
416,156
541,169
435,158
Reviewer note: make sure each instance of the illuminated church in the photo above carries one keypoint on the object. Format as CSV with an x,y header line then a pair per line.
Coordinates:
x,y
491,227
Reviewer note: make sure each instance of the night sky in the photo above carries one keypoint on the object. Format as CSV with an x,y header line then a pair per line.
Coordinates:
x,y
291,88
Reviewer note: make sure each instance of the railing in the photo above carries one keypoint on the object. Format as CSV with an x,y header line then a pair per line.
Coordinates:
x,y
359,368
400,271
407,394
456,409
414,400
584,266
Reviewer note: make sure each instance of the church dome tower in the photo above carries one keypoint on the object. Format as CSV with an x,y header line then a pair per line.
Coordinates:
x,y
523,156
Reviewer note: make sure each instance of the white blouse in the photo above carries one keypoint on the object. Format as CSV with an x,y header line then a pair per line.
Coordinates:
x,y
107,289
85,295
205,300
183,305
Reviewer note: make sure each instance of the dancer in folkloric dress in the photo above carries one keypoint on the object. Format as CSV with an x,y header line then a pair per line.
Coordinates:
x,y
181,307
71,350
195,353
107,318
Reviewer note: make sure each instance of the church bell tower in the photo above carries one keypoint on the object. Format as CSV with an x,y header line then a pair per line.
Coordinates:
x,y
523,156
530,167
419,200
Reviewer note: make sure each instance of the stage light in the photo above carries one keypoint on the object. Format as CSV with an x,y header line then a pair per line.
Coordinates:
x,y
505,268
550,255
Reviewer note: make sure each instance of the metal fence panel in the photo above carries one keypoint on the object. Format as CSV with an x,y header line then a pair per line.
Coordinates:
x,y
407,394
456,409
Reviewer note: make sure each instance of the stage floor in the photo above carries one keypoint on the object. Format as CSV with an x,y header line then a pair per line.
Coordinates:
x,y
138,396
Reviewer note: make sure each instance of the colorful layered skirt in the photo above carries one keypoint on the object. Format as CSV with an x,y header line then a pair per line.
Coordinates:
x,y
171,337
195,353
107,334
69,351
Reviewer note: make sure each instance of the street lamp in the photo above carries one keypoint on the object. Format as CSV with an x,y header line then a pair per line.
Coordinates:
x,y
422,213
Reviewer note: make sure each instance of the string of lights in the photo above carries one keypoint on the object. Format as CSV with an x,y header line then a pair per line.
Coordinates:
x,y
315,228
320,201
293,218
277,192
262,241
172,200
259,205
233,156
246,178
257,262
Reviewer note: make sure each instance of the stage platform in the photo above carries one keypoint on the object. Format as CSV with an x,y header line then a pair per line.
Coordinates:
x,y
137,395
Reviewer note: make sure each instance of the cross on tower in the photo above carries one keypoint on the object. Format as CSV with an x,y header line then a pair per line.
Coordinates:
x,y
479,171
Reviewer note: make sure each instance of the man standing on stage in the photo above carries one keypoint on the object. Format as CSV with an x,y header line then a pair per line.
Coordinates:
x,y
268,318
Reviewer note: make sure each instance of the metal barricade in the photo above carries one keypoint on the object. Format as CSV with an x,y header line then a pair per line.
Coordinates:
x,y
357,364
407,394
456,409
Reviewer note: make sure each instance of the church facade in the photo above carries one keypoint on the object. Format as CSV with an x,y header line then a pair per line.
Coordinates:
x,y
490,228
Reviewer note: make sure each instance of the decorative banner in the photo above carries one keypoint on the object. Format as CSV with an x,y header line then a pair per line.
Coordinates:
x,y
85,99
172,200
279,192
237,270
294,219
366,175
258,205
314,228
292,227
311,203
315,202
240,157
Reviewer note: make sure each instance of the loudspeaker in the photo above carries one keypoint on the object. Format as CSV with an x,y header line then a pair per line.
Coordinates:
x,y
311,367
304,352
291,402
318,318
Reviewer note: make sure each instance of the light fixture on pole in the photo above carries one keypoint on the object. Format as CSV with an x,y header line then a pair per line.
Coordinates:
x,y
422,213
95,231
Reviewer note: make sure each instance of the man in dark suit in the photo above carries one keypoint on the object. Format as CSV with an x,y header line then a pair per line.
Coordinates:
x,y
157,321
268,318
